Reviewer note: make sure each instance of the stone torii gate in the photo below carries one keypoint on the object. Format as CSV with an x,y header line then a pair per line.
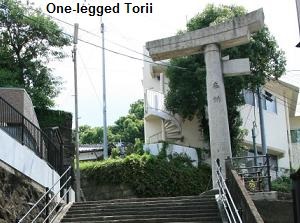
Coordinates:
x,y
210,41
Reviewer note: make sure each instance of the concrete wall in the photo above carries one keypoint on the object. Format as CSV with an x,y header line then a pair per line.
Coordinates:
x,y
152,127
295,122
21,101
275,127
192,136
27,162
173,149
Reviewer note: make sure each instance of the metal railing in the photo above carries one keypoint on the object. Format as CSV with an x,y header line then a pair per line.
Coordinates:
x,y
48,197
24,131
254,171
225,197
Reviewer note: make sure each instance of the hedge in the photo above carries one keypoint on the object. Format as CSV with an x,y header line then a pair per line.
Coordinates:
x,y
150,176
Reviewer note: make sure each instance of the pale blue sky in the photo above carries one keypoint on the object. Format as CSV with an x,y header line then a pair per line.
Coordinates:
x,y
124,75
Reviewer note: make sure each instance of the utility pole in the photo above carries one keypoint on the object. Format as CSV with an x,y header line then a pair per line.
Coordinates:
x,y
75,41
254,132
262,123
105,144
298,15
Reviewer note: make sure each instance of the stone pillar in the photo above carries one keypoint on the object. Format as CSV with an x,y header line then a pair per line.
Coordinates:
x,y
220,145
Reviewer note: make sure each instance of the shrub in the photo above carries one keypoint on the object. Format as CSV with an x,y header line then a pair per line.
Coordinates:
x,y
115,153
150,176
282,184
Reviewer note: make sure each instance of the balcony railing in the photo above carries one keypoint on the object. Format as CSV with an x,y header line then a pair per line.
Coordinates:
x,y
24,131
155,100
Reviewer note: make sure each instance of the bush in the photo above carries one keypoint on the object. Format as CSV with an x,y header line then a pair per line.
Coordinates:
x,y
115,153
282,184
150,176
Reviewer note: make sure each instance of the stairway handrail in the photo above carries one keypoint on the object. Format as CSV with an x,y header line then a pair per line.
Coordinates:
x,y
47,193
226,197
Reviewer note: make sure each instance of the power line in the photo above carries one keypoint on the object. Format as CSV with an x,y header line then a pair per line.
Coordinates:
x,y
109,50
117,44
89,78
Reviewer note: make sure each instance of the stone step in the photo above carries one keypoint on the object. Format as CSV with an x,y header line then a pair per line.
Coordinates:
x,y
208,210
210,196
133,218
145,204
157,220
202,208
138,214
142,201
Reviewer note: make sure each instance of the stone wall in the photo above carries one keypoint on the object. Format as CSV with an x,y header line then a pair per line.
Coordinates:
x,y
279,211
93,191
17,194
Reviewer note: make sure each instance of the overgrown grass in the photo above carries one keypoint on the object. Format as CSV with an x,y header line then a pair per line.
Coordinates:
x,y
150,176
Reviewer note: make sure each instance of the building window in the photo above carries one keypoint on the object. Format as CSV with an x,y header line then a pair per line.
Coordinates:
x,y
295,135
269,102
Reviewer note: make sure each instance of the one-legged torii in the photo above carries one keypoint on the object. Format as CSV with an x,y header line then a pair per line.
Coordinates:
x,y
210,41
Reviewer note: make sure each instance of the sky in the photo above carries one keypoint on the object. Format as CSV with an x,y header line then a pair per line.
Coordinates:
x,y
132,31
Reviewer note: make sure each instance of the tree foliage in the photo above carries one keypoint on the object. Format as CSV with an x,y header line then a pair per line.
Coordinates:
x,y
187,95
28,41
126,129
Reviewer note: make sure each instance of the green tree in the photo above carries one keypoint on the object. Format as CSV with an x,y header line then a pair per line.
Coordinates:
x,y
137,109
187,95
127,128
130,127
93,135
28,41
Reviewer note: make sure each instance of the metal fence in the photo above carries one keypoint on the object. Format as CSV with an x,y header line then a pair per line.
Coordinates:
x,y
24,131
254,172
225,197
49,201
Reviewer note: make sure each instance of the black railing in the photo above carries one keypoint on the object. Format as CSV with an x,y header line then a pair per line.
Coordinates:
x,y
24,131
254,171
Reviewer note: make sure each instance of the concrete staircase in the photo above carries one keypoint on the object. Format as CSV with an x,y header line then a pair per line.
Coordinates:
x,y
191,209
173,130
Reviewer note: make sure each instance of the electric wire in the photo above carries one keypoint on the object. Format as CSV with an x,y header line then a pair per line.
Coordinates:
x,y
113,51
123,54
89,78
117,44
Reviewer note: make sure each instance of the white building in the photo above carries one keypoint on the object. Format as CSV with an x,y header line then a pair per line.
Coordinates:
x,y
279,116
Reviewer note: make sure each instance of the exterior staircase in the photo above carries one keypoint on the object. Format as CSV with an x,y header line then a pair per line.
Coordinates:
x,y
155,107
191,209
173,131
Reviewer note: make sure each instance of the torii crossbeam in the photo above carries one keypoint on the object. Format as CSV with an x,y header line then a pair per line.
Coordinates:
x,y
210,41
